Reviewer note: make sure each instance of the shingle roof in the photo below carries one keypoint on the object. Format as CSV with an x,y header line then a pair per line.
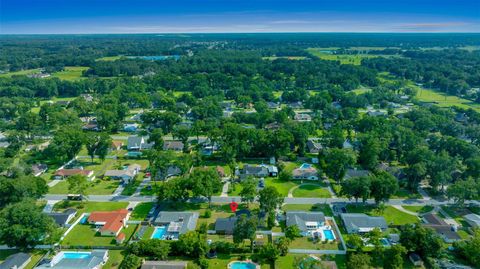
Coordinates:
x,y
15,260
356,221
225,224
299,218
186,220
164,265
94,260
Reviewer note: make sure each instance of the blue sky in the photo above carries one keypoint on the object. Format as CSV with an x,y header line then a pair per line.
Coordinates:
x,y
213,16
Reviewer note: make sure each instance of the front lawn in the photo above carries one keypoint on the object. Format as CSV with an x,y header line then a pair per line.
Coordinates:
x,y
303,207
140,212
311,190
131,187
96,187
282,186
86,235
88,207
392,215
418,209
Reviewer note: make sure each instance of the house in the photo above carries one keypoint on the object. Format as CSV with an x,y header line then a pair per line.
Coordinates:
x,y
94,259
473,220
225,225
305,171
138,143
125,175
87,97
362,223
177,223
3,140
110,223
446,231
296,105
273,105
220,171
347,144
314,145
254,171
64,173
305,221
415,259
174,145
172,171
16,261
130,127
164,265
302,117
39,75
62,219
351,173
38,169
116,145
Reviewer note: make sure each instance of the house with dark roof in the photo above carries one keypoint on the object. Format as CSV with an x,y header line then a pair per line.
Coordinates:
x,y
63,218
39,169
94,259
225,225
125,175
302,117
314,145
362,223
351,173
446,231
177,223
252,171
164,265
16,261
305,221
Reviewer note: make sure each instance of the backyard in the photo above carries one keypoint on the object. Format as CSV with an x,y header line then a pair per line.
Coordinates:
x,y
87,235
392,215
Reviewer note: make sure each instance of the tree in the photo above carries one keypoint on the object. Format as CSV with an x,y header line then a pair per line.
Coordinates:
x,y
425,241
337,161
292,232
469,250
152,248
356,187
103,146
359,261
383,186
23,225
91,142
463,190
192,244
282,245
394,257
285,176
77,184
245,228
205,182
249,190
269,199
174,190
269,253
131,261
66,143
14,190
355,241
182,133
156,137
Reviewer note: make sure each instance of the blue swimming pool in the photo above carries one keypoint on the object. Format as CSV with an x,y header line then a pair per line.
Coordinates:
x,y
159,232
329,234
242,265
306,166
76,255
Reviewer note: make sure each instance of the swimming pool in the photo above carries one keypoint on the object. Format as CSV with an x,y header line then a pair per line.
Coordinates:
x,y
76,255
329,234
159,232
305,166
242,265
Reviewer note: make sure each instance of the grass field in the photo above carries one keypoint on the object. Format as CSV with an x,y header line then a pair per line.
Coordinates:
x,y
355,59
97,187
141,211
86,235
70,73
116,258
87,207
272,58
22,72
311,190
418,209
392,215
303,207
445,100
282,186
109,58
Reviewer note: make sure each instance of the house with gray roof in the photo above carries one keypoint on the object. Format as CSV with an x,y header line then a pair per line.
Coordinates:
x,y
473,220
125,175
138,143
225,225
174,145
94,259
177,223
164,265
257,171
305,221
16,261
362,223
351,173
445,230
63,218
314,145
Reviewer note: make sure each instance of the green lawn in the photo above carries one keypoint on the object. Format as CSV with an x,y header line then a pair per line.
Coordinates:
x,y
132,186
96,187
22,72
71,73
355,59
109,58
271,58
89,207
141,211
418,209
282,186
311,190
403,193
234,189
444,100
303,207
392,215
85,235
115,259
305,242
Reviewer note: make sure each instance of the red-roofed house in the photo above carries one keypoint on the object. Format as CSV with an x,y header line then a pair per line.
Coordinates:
x,y
110,223
64,173
120,238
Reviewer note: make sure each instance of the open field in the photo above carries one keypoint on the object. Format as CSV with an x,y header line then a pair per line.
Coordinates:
x,y
445,100
311,190
70,73
87,207
109,58
272,58
355,59
141,211
96,187
86,235
392,215
418,209
21,72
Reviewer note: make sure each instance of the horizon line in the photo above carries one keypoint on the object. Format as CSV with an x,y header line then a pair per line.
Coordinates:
x,y
273,32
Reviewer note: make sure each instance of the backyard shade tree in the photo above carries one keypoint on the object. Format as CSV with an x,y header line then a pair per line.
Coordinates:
x,y
245,228
358,261
422,240
14,190
383,186
337,161
356,187
191,244
269,199
292,232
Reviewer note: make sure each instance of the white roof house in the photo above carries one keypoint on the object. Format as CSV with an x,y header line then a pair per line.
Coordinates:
x,y
473,220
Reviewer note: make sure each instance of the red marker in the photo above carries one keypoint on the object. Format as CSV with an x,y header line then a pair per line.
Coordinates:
x,y
233,206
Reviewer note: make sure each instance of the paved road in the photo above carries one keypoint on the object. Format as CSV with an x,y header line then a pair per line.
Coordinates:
x,y
288,200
